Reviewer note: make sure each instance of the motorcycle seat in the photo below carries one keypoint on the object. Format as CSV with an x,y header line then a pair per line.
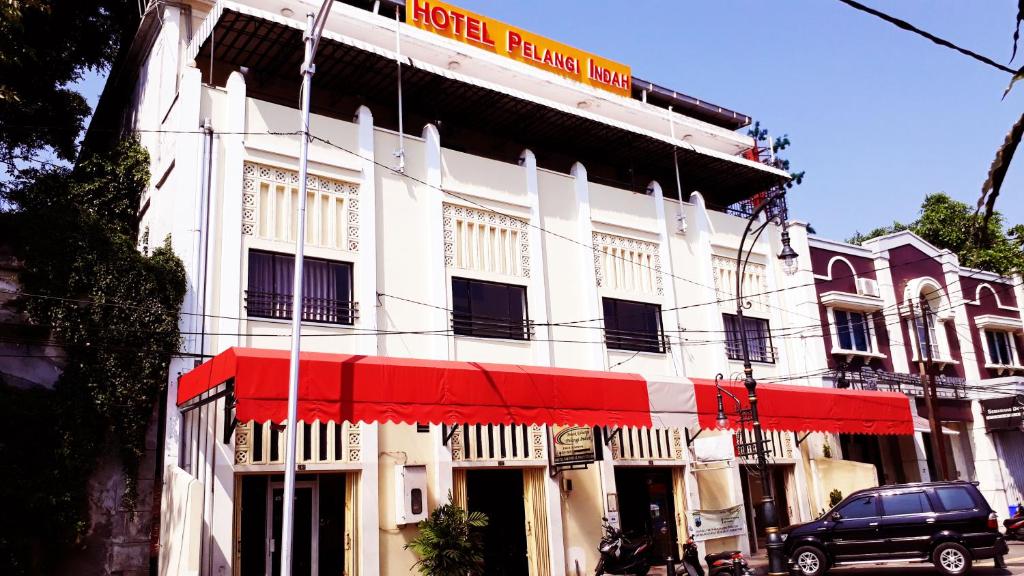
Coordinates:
x,y
724,555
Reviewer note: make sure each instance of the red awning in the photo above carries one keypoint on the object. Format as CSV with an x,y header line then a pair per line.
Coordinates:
x,y
342,387
811,409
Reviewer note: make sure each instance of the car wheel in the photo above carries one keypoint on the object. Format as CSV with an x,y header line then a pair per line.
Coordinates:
x,y
809,561
951,559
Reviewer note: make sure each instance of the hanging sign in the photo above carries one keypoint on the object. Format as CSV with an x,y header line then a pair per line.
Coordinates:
x,y
511,42
1003,413
571,445
708,524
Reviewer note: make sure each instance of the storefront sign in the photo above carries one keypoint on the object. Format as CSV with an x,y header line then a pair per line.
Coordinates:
x,y
714,448
707,524
511,42
1003,413
571,445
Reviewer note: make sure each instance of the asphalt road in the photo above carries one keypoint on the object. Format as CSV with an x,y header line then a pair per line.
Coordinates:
x,y
1014,565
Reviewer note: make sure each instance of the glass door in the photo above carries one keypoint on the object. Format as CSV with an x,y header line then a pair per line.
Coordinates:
x,y
304,542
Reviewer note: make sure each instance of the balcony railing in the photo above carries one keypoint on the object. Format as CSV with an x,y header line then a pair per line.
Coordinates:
x,y
910,384
488,327
758,353
635,341
314,309
746,208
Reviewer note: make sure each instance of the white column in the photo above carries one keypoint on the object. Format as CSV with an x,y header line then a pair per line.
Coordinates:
x,y
369,511
806,354
366,273
438,291
891,313
553,505
588,275
702,229
987,462
537,296
229,273
188,155
670,319
222,491
919,448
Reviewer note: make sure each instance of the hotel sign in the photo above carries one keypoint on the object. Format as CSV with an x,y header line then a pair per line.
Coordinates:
x,y
511,42
572,445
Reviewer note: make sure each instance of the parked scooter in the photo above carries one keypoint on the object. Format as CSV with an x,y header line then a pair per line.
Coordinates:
x,y
728,563
1015,525
690,566
620,555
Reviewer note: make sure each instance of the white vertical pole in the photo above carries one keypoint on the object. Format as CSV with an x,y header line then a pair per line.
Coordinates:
x,y
288,516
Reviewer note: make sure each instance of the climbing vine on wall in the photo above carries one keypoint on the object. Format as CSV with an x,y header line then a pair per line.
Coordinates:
x,y
111,307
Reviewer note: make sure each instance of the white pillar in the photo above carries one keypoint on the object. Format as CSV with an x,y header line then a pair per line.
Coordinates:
x,y
222,491
537,295
369,511
965,337
366,274
702,230
670,319
891,314
553,505
919,448
434,243
230,230
987,462
588,275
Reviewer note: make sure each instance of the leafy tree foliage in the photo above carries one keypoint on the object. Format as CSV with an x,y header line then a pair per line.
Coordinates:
x,y
777,145
450,542
114,310
953,225
45,45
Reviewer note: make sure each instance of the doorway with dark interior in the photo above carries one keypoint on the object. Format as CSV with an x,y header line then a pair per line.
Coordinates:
x,y
498,493
647,506
753,491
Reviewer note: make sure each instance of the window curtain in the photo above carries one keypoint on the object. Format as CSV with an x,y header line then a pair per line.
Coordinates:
x,y
679,499
459,497
538,556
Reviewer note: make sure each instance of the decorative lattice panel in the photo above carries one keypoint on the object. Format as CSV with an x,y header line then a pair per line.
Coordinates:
x,y
270,206
754,284
485,241
317,443
627,264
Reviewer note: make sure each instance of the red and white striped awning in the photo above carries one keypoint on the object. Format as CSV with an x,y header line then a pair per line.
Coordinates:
x,y
353,388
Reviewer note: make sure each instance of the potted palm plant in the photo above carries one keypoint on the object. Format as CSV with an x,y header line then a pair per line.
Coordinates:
x,y
450,542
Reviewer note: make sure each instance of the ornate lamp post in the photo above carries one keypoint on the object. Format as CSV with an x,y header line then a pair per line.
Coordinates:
x,y
775,212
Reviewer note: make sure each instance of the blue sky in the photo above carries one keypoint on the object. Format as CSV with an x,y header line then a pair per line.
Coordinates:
x,y
878,117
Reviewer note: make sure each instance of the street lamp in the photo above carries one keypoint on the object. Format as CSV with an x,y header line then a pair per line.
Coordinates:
x,y
774,210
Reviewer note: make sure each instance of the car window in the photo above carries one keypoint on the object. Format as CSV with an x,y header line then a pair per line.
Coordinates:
x,y
955,498
863,507
905,503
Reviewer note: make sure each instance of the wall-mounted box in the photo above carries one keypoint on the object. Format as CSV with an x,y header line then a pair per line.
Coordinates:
x,y
410,494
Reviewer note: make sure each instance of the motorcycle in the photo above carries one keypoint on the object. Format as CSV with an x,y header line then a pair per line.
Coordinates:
x,y
621,555
728,563
1015,526
690,566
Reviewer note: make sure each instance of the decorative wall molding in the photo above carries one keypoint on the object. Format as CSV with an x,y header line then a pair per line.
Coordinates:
x,y
485,241
627,264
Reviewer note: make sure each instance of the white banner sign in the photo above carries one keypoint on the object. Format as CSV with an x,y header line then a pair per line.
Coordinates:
x,y
708,524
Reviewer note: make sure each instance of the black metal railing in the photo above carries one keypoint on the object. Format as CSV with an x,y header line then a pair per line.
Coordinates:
x,y
758,353
634,341
868,379
776,205
314,309
490,327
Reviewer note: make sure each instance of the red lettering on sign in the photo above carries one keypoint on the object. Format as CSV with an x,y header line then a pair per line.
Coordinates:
x,y
457,20
419,10
439,18
513,40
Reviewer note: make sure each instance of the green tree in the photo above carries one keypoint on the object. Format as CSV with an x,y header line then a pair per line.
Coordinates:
x,y
114,311
450,542
951,224
45,46
777,145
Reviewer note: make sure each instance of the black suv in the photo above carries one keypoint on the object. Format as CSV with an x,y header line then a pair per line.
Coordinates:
x,y
947,523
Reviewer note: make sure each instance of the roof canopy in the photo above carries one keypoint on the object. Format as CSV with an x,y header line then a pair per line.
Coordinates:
x,y
811,409
353,388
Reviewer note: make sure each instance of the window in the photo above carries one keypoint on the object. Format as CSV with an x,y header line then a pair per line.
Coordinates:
x,y
633,326
863,507
759,338
955,498
853,330
905,503
326,286
1000,348
489,309
928,339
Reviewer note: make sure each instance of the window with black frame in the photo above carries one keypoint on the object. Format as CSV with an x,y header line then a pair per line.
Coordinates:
x,y
489,309
1000,347
759,338
633,326
326,286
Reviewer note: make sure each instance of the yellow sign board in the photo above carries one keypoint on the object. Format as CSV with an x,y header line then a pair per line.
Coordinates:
x,y
511,42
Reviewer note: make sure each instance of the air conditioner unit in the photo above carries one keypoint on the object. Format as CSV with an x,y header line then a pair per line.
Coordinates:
x,y
867,287
410,494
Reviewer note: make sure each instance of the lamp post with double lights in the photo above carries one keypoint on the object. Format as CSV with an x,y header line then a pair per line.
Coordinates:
x,y
773,208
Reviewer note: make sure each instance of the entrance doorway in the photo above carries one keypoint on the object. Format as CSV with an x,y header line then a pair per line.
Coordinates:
x,y
647,506
318,543
753,492
498,493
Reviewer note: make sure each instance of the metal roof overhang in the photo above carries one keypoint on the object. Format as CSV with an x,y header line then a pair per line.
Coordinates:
x,y
350,71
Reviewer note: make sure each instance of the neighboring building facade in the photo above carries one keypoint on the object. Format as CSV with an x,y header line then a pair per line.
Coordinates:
x,y
501,213
884,302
